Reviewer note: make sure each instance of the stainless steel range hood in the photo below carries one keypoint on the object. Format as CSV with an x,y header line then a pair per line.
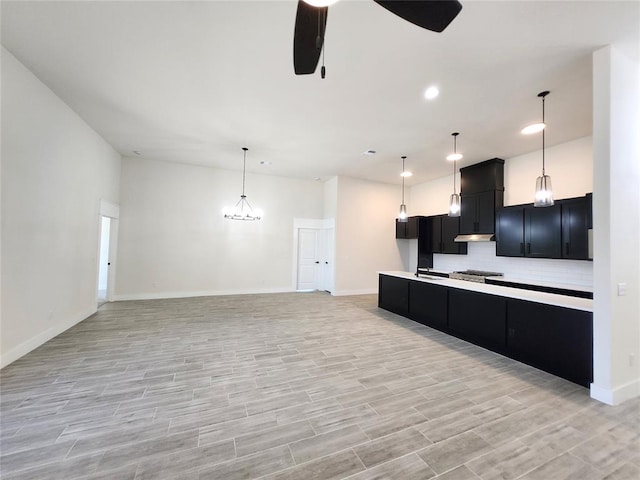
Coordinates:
x,y
476,237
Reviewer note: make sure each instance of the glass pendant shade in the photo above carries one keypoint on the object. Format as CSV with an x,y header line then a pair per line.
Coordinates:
x,y
454,205
402,216
544,192
242,210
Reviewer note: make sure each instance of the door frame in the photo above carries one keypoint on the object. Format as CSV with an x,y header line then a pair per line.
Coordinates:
x,y
111,210
324,225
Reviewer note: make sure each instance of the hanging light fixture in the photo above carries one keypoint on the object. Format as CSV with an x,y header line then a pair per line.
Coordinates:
x,y
544,193
402,216
454,200
242,210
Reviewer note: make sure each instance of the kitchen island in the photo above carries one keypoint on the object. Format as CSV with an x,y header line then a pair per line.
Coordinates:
x,y
549,331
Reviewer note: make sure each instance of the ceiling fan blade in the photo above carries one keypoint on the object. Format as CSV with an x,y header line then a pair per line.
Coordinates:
x,y
432,15
308,37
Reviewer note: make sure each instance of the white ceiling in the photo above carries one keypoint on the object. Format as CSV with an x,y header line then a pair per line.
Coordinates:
x,y
194,82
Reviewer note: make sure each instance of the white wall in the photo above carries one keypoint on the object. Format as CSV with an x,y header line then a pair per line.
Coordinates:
x,y
616,217
365,234
175,242
570,166
55,170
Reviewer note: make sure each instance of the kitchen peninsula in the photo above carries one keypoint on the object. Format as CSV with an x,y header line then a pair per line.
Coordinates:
x,y
549,331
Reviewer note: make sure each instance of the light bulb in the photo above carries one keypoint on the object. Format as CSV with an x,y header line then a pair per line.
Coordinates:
x,y
320,3
452,157
533,128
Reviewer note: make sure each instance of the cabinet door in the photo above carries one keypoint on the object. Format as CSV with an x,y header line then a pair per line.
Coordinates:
x,y
436,234
478,317
450,230
542,231
401,229
486,212
412,227
557,340
510,232
428,304
393,294
574,229
468,214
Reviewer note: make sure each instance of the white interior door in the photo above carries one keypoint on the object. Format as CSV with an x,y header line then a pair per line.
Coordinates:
x,y
308,260
326,263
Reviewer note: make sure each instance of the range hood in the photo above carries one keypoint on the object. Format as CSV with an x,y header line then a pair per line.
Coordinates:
x,y
476,237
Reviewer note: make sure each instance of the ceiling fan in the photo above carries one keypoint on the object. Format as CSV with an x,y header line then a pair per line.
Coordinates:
x,y
311,22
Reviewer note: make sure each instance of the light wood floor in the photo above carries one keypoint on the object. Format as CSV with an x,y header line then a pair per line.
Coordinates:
x,y
295,386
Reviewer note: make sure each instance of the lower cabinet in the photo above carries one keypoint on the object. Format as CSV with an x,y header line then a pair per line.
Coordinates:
x,y
555,339
478,317
393,294
428,304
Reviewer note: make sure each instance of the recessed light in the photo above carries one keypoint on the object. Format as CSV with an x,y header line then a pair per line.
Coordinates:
x,y
431,92
136,152
369,152
533,128
406,173
266,163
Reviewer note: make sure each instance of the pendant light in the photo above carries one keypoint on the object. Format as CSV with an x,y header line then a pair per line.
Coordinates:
x,y
544,193
402,216
242,210
454,200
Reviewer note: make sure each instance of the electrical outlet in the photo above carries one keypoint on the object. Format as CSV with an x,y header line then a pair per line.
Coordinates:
x,y
622,289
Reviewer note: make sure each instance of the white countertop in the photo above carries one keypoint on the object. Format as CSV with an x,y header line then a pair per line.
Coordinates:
x,y
565,301
564,286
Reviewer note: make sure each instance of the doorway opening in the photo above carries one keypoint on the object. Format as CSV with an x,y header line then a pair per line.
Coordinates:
x,y
104,263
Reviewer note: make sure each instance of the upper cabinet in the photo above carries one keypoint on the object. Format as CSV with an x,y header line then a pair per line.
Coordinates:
x,y
559,231
408,229
444,230
575,224
482,193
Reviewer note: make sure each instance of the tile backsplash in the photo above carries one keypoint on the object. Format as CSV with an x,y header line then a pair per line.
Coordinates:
x,y
482,256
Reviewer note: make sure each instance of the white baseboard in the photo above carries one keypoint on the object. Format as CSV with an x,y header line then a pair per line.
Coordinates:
x,y
25,347
364,291
618,395
208,293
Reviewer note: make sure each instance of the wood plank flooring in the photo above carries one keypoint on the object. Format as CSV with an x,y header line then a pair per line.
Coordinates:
x,y
295,386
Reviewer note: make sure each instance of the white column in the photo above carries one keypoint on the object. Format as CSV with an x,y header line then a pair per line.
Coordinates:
x,y
616,218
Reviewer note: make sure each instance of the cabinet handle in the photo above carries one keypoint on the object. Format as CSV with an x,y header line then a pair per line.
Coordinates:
x,y
529,247
441,247
566,248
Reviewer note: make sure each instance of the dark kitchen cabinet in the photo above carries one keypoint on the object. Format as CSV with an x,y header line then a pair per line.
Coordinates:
x,y
510,232
408,229
589,202
478,317
555,339
559,231
575,244
542,231
477,211
428,304
482,177
444,230
393,294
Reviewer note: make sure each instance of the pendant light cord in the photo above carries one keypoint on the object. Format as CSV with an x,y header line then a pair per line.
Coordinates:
x,y
403,179
543,98
244,170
